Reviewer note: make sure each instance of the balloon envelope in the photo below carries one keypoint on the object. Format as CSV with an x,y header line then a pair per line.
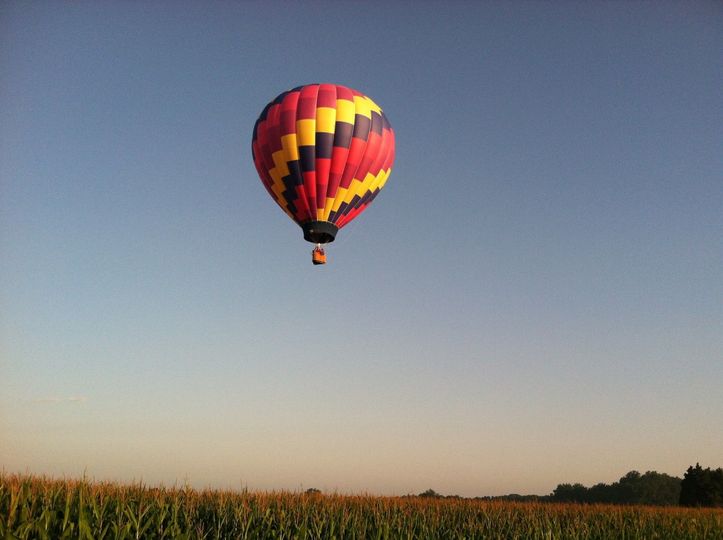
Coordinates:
x,y
323,152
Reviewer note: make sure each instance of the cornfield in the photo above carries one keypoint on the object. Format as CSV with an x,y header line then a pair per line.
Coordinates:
x,y
34,507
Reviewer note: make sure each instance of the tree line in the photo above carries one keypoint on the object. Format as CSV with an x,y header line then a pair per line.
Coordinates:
x,y
633,488
698,487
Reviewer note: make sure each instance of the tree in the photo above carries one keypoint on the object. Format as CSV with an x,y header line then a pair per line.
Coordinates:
x,y
627,488
570,493
702,487
633,488
659,489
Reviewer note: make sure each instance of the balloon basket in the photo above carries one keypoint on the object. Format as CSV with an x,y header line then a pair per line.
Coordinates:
x,y
318,256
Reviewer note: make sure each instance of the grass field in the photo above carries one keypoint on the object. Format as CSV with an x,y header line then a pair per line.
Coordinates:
x,y
33,507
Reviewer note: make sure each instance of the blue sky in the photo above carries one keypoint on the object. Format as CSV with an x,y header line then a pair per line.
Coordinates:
x,y
536,296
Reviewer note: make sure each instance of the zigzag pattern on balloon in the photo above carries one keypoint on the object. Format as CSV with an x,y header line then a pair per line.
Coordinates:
x,y
323,152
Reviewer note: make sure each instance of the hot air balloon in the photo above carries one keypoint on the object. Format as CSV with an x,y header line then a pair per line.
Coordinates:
x,y
323,152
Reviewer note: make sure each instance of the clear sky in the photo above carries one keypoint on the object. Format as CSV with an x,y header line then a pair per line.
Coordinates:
x,y
536,296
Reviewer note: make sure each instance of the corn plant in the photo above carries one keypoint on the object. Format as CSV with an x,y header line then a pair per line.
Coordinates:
x,y
43,508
